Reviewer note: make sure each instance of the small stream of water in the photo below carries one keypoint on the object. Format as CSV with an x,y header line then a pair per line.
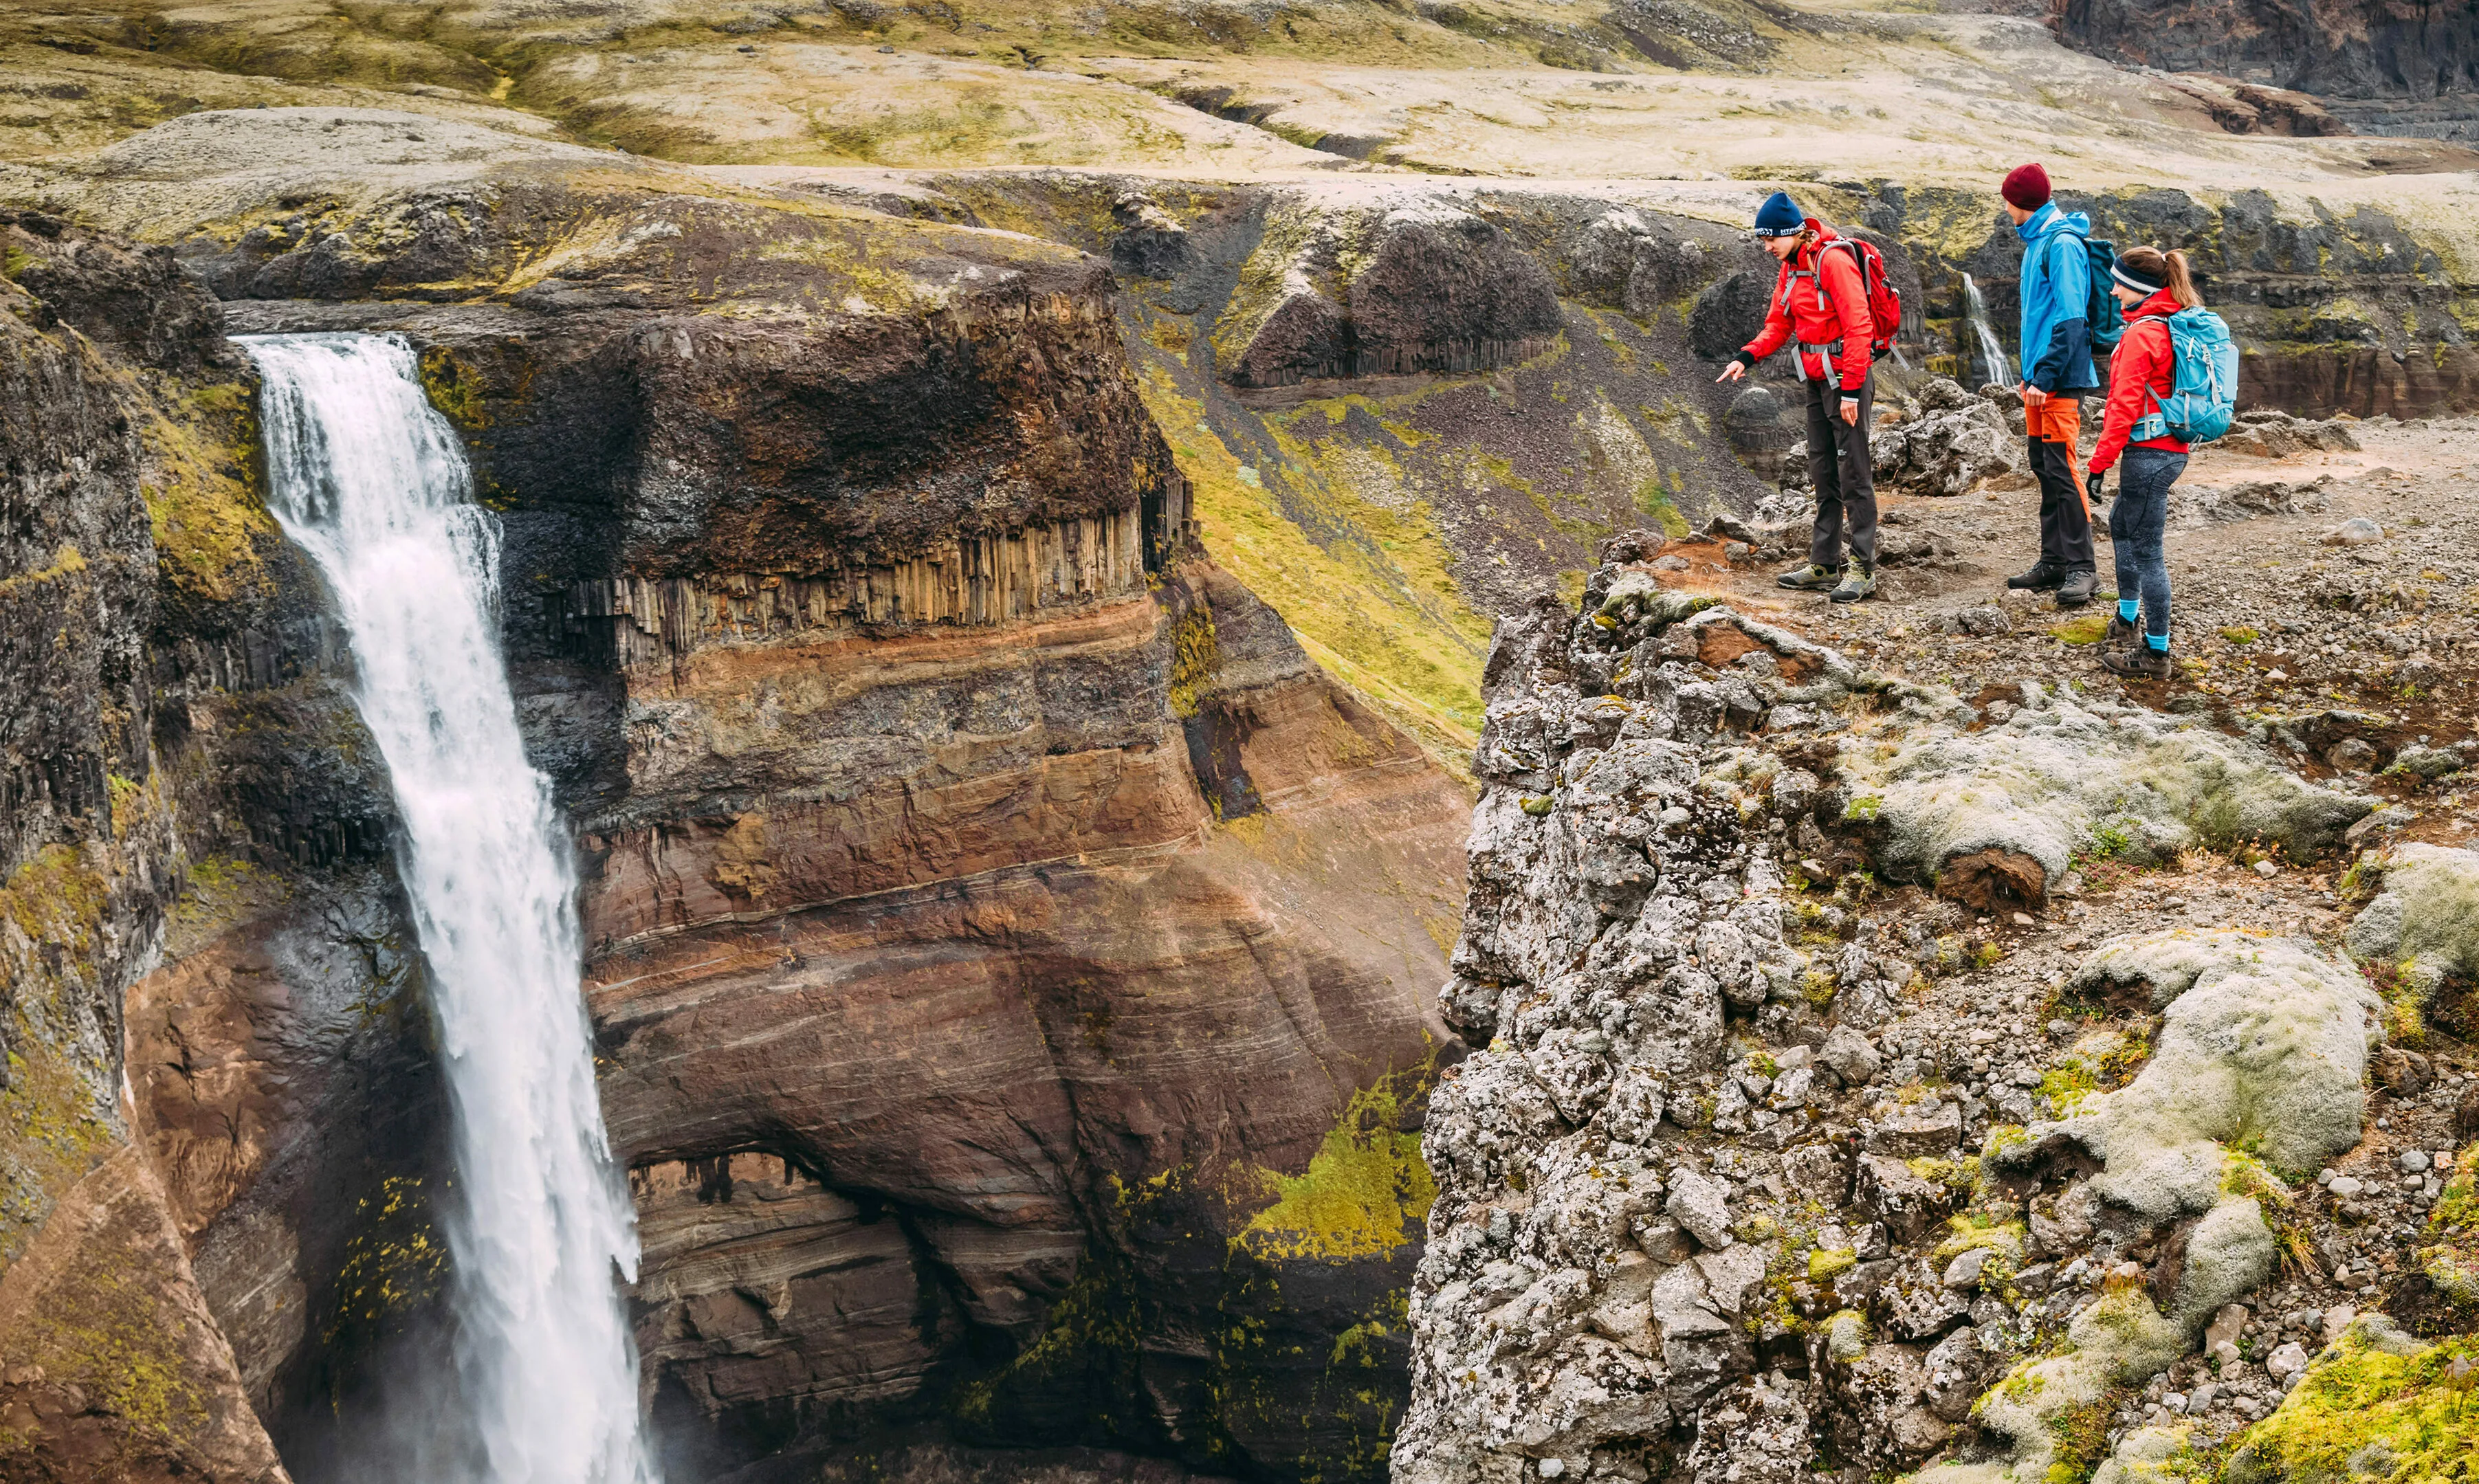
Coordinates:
x,y
1991,354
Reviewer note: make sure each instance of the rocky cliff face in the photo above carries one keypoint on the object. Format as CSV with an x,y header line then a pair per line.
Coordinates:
x,y
2372,51
182,790
1011,956
1767,1166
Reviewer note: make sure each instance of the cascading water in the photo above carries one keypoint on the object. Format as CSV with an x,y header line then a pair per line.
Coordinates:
x,y
1991,353
368,479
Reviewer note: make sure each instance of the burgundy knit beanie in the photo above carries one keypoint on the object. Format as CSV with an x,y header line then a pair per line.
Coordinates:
x,y
2026,187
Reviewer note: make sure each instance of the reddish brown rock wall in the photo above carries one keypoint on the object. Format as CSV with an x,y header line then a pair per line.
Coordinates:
x,y
891,1049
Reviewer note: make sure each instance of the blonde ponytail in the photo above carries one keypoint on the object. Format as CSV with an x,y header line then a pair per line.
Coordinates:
x,y
2182,283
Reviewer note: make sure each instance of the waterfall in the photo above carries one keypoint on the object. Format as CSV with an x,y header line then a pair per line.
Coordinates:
x,y
1991,353
367,479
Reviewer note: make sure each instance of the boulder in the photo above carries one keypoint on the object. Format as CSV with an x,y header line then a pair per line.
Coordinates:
x,y
1889,1191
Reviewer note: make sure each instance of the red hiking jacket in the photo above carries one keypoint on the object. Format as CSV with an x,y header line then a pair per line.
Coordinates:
x,y
2141,370
1841,314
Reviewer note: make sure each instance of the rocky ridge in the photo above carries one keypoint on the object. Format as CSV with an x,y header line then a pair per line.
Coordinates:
x,y
1757,1170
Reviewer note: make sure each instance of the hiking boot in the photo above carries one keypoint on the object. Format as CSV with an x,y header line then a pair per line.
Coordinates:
x,y
2120,634
2039,579
1810,578
2142,662
1860,581
2078,589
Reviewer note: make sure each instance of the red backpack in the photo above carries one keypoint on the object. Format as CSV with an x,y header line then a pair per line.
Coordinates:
x,y
1884,303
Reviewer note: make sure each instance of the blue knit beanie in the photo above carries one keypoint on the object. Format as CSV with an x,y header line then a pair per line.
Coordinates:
x,y
1779,217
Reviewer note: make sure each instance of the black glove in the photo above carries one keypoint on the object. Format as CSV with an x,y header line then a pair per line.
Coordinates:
x,y
2091,485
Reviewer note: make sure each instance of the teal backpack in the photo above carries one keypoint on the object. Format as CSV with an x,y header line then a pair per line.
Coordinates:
x,y
2204,395
2101,318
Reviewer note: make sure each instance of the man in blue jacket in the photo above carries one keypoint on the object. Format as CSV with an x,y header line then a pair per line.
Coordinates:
x,y
2057,370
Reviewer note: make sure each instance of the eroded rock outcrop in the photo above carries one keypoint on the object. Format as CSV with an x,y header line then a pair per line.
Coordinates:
x,y
1707,1206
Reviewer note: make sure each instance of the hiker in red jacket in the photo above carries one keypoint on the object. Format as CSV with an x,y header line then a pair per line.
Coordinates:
x,y
1819,308
2150,285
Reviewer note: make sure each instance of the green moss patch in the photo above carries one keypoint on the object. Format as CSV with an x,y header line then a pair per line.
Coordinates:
x,y
1196,658
202,497
1364,1194
2364,1410
2089,629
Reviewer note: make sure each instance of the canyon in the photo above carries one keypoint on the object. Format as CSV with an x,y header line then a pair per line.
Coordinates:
x,y
1055,568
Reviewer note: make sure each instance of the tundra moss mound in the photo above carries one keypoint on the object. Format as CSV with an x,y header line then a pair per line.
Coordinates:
x,y
2425,917
2263,1046
2064,777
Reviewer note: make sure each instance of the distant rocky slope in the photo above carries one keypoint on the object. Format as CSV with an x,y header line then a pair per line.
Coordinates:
x,y
2391,68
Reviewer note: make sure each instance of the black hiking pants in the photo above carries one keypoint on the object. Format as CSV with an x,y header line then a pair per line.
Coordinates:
x,y
1839,465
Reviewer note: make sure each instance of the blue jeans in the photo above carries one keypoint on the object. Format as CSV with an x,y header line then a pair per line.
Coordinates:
x,y
2135,527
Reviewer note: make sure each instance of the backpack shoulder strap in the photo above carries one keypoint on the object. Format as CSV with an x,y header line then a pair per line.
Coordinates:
x,y
1859,259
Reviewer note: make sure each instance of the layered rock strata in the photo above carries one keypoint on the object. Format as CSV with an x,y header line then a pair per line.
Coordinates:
x,y
1009,954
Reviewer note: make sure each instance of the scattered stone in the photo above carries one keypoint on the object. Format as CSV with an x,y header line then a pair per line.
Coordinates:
x,y
1849,1057
1701,1207
2286,1361
1918,1136
2356,531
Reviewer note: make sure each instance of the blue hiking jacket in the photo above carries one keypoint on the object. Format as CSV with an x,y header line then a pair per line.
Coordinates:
x,y
2056,294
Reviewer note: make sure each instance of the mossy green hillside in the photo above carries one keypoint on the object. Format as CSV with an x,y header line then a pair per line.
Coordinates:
x,y
1383,629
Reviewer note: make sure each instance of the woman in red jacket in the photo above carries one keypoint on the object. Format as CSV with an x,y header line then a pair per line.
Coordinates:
x,y
1819,307
2151,285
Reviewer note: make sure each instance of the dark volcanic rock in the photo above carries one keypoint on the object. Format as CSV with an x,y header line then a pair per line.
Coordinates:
x,y
2364,49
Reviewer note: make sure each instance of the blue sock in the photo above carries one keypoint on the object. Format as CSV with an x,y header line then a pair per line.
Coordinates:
x,y
2158,643
2126,609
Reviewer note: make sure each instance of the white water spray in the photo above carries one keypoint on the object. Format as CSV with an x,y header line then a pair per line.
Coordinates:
x,y
368,479
1990,352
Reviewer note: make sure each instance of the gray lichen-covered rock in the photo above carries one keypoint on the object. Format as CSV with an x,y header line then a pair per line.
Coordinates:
x,y
1688,1210
1960,441
1585,1294
1996,814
